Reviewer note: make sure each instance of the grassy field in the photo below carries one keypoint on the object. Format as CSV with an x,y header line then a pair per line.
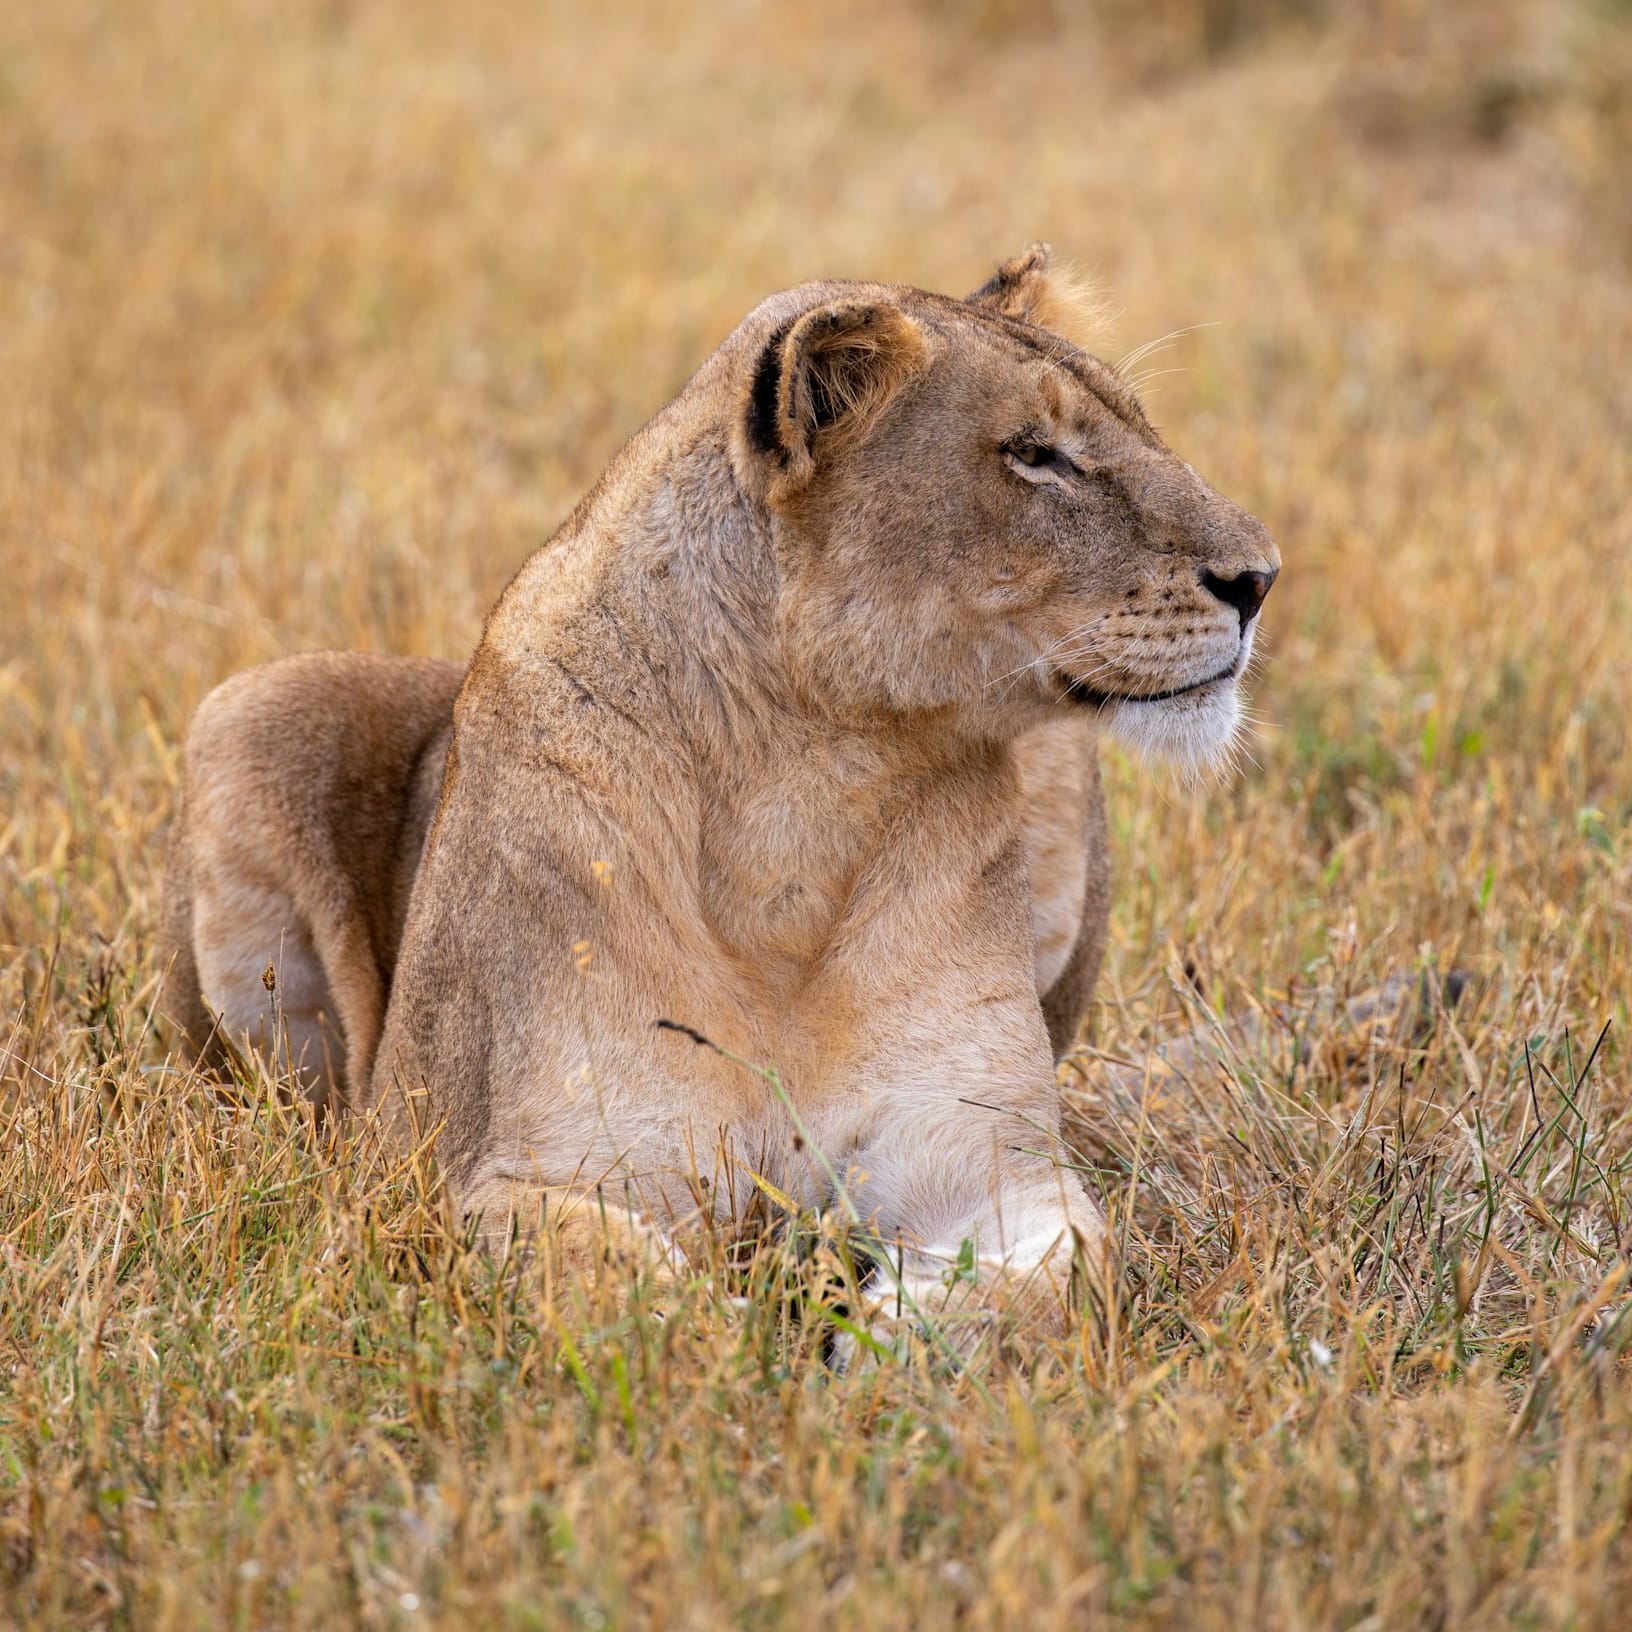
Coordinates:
x,y
316,317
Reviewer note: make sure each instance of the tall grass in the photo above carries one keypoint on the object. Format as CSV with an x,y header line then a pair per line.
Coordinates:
x,y
316,318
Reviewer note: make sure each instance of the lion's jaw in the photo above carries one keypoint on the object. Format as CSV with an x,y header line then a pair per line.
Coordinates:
x,y
1194,730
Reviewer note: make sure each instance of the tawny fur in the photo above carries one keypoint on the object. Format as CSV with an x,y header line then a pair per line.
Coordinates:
x,y
310,785
788,737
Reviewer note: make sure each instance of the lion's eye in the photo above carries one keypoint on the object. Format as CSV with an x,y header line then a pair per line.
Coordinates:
x,y
1034,454
1036,461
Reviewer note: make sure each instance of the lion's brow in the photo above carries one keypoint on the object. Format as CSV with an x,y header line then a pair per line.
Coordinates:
x,y
1098,380
1093,376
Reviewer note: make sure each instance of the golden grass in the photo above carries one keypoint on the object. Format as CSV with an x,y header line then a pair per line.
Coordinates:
x,y
314,319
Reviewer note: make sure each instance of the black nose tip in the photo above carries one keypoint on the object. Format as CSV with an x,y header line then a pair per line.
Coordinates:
x,y
1245,592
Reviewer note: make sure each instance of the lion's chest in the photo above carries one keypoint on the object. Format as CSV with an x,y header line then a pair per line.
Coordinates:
x,y
779,869
837,894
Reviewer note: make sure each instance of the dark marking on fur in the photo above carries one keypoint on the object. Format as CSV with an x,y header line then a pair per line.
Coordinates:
x,y
763,395
584,694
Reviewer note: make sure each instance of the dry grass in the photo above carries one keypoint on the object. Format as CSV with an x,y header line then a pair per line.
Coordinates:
x,y
315,317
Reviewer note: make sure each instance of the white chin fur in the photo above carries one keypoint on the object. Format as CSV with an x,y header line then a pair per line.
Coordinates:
x,y
1193,733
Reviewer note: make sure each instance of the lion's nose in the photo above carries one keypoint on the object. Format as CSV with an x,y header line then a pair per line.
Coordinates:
x,y
1245,591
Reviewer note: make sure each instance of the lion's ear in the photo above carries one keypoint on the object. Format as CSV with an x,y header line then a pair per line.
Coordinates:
x,y
1029,289
822,379
1018,288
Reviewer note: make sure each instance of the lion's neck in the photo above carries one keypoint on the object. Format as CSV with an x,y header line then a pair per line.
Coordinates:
x,y
662,605
795,839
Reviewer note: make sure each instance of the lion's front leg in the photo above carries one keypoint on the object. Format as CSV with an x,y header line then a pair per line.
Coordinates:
x,y
979,1205
1016,1263
577,1234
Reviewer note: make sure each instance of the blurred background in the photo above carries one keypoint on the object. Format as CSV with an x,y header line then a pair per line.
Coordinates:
x,y
316,317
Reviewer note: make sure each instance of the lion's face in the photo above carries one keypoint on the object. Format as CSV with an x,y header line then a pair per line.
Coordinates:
x,y
981,523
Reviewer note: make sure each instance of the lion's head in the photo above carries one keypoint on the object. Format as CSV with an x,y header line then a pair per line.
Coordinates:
x,y
973,517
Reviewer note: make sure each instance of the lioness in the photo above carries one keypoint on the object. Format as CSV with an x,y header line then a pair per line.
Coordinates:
x,y
786,740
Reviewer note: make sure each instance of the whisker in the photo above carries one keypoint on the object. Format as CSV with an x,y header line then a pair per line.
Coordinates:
x,y
1056,649
1140,381
1160,343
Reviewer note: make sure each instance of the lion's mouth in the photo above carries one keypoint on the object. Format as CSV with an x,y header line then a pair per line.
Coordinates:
x,y
1078,691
